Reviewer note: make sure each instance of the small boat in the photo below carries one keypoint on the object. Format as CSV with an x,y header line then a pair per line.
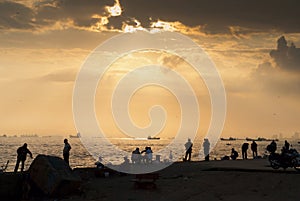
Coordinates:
x,y
29,135
75,136
153,138
260,139
228,139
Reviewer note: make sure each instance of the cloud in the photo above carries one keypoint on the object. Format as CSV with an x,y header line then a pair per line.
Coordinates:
x,y
270,79
286,57
210,16
15,16
218,16
79,11
62,76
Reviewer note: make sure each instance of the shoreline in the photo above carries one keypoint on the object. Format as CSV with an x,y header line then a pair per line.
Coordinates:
x,y
251,179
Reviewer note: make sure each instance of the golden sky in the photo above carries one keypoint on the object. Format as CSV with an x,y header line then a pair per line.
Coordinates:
x,y
43,44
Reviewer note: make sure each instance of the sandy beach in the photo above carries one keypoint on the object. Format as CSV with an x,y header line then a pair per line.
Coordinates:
x,y
213,180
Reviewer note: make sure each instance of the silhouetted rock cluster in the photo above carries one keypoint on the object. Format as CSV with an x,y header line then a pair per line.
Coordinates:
x,y
286,57
53,176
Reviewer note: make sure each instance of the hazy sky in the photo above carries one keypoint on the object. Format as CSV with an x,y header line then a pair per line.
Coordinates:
x,y
43,44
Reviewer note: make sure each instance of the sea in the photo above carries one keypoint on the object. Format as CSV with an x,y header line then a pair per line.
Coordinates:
x,y
81,157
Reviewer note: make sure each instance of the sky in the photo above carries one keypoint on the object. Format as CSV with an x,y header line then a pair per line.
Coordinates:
x,y
43,44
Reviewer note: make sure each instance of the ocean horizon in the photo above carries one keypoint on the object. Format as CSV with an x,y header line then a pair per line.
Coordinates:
x,y
80,157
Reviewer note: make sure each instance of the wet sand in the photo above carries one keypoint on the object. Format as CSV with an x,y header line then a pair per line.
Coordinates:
x,y
213,180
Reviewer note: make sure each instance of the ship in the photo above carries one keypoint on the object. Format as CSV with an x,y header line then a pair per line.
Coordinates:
x,y
75,136
228,139
260,139
153,138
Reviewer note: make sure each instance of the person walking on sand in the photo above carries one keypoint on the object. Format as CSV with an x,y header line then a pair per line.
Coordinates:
x,y
245,147
188,147
254,149
66,151
206,148
22,154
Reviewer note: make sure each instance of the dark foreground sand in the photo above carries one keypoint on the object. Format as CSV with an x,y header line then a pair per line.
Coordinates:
x,y
251,180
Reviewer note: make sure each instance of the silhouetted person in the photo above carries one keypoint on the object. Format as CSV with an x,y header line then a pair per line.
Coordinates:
x,y
136,156
286,145
285,149
272,147
148,155
234,154
254,149
188,147
206,148
245,147
22,154
99,163
171,156
66,151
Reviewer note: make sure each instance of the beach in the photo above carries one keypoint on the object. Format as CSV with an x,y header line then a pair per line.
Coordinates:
x,y
213,180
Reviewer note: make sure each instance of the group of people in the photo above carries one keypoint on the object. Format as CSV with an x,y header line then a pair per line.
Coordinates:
x,y
23,151
272,147
145,156
245,147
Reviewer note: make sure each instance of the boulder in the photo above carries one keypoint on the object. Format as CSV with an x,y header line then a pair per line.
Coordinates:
x,y
11,186
53,176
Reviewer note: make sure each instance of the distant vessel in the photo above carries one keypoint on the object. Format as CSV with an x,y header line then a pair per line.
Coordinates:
x,y
228,139
260,139
75,136
3,135
33,135
153,138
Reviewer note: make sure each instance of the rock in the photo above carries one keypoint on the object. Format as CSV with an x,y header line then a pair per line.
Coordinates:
x,y
53,176
11,186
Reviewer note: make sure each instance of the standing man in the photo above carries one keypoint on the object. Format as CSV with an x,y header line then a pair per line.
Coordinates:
x,y
245,147
66,151
254,149
22,153
206,148
188,147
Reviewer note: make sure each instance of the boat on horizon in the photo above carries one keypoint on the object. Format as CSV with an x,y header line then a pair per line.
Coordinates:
x,y
228,139
75,136
260,139
153,138
29,135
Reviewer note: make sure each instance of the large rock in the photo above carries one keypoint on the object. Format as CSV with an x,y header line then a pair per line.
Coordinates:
x,y
53,176
11,186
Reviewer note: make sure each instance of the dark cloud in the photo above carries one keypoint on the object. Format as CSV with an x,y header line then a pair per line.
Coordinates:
x,y
47,12
214,15
286,57
219,15
80,11
15,15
